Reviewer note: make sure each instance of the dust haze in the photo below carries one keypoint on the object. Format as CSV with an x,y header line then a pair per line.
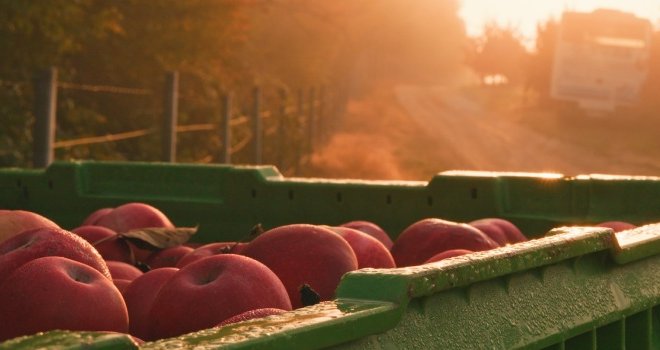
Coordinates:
x,y
413,132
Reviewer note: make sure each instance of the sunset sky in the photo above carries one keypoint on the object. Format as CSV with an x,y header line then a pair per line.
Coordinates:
x,y
525,14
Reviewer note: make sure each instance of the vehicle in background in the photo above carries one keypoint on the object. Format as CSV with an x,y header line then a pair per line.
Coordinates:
x,y
601,59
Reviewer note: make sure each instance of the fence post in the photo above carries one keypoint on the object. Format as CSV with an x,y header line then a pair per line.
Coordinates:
x,y
257,125
226,128
311,127
300,120
171,111
45,109
321,125
281,128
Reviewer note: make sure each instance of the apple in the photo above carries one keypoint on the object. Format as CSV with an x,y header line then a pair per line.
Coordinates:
x,y
371,229
123,271
47,241
55,292
121,284
512,232
13,222
95,216
369,251
304,254
617,226
248,315
133,216
495,232
209,250
168,257
428,237
194,245
213,289
448,254
139,296
106,241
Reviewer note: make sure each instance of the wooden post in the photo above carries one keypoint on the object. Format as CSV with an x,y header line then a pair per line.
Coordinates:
x,y
300,120
226,128
311,122
321,125
281,129
257,125
171,112
45,109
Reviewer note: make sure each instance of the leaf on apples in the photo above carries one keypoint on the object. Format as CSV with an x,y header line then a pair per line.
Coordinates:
x,y
155,238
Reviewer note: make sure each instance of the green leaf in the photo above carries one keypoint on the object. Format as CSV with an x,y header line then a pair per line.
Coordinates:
x,y
155,238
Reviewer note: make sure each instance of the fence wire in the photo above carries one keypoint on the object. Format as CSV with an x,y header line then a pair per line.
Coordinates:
x,y
105,88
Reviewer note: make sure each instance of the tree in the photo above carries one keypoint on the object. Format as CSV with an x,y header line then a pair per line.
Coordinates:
x,y
35,35
216,46
499,52
362,43
539,68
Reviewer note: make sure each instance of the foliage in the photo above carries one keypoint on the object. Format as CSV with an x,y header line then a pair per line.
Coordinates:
x,y
498,52
35,35
539,68
217,46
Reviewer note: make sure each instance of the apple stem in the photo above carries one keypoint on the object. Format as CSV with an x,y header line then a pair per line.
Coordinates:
x,y
104,239
142,266
132,254
256,231
308,296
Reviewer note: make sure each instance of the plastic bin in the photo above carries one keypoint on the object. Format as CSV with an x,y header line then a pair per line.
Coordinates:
x,y
578,287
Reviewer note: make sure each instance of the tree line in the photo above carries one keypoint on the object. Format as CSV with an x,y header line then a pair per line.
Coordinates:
x,y
348,47
216,46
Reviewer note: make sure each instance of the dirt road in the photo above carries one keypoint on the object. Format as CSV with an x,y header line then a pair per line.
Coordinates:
x,y
414,132
488,141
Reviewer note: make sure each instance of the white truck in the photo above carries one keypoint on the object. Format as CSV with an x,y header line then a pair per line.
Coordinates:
x,y
601,59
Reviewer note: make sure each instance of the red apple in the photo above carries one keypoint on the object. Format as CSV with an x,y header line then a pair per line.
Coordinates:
x,y
208,250
194,245
371,229
448,254
54,292
369,251
511,231
123,271
617,226
140,295
121,284
46,241
168,257
304,254
248,315
95,216
106,241
428,237
491,230
210,290
13,222
133,216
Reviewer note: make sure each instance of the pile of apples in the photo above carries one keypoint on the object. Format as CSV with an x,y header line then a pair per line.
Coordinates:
x,y
103,276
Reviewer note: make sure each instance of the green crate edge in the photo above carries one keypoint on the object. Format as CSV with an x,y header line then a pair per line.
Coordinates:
x,y
518,197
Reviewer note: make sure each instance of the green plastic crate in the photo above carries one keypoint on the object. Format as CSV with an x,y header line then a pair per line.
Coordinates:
x,y
578,287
